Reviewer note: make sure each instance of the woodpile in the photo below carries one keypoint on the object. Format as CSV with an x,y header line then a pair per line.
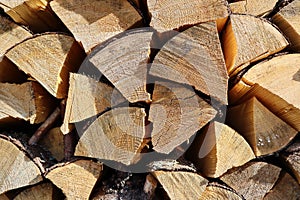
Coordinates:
x,y
147,99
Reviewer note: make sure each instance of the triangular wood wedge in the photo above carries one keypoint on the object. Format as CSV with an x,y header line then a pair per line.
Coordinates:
x,y
116,135
253,7
218,148
176,113
181,185
188,12
265,132
247,39
76,179
194,57
48,58
94,21
17,170
54,142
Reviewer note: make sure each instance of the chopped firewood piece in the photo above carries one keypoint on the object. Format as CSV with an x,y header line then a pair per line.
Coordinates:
x,y
48,58
194,57
150,185
33,104
217,149
176,113
17,170
247,39
286,187
181,185
264,131
292,157
253,180
287,19
220,192
94,21
116,135
123,61
168,15
253,7
88,97
76,179
54,142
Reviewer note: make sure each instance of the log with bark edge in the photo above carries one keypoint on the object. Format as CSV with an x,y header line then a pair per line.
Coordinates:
x,y
48,58
76,179
252,180
194,57
33,104
217,191
168,15
92,22
247,39
287,19
264,131
176,113
253,7
218,148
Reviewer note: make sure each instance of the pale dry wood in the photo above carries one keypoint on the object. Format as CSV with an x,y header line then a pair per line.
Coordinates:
x,y
44,191
287,19
168,15
88,97
194,57
285,188
176,113
116,135
54,142
220,192
219,148
76,179
264,131
247,39
48,58
17,170
253,7
253,180
181,185
33,104
92,22
123,61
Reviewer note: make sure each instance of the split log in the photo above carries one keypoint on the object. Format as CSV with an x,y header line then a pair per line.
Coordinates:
x,y
264,131
181,185
123,61
287,19
87,98
150,185
76,179
176,113
48,58
194,57
17,170
253,180
54,142
92,22
247,39
33,104
291,156
253,7
117,135
220,192
285,188
218,148
163,17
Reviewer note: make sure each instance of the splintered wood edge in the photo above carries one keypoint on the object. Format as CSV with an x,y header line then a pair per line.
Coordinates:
x,y
253,7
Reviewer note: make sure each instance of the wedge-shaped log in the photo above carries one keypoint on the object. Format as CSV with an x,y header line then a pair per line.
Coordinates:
x,y
219,148
163,17
54,142
48,58
76,179
194,57
264,131
28,101
287,19
92,22
176,113
247,39
291,156
253,7
123,61
220,192
253,180
17,170
117,135
181,185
